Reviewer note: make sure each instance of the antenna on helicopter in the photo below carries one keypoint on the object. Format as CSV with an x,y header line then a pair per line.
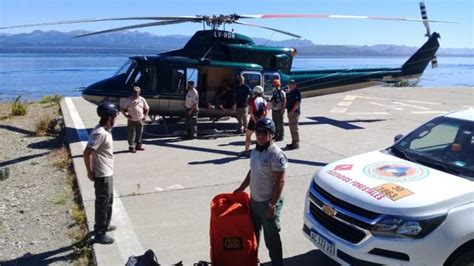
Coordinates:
x,y
424,16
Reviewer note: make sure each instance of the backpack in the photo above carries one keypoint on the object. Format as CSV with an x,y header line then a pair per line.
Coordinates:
x,y
232,235
147,259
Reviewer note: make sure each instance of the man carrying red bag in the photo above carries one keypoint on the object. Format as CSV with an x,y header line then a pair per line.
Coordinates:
x,y
266,179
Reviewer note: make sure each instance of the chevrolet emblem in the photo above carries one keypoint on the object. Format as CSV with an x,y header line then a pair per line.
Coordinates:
x,y
329,210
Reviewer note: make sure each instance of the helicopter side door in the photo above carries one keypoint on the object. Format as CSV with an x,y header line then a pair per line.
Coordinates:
x,y
173,91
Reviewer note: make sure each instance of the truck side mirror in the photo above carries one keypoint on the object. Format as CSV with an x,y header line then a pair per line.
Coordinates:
x,y
397,137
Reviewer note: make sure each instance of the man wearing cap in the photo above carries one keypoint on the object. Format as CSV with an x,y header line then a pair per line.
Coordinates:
x,y
278,101
266,179
99,160
191,105
294,110
135,108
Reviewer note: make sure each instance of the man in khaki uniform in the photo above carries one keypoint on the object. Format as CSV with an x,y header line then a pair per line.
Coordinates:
x,y
135,108
99,161
192,109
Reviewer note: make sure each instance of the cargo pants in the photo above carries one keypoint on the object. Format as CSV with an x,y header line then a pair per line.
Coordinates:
x,y
271,229
104,199
134,133
277,116
190,124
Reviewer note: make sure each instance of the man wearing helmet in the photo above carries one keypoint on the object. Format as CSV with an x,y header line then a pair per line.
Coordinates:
x,y
257,110
266,179
99,161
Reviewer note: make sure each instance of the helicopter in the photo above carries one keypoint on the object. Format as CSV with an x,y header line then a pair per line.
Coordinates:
x,y
213,55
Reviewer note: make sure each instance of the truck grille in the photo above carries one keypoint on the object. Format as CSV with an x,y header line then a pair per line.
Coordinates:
x,y
344,224
345,205
338,228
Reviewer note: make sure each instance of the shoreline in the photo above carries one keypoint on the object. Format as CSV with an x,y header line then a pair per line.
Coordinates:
x,y
37,99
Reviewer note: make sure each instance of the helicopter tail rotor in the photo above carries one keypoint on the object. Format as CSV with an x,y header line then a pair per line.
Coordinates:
x,y
424,17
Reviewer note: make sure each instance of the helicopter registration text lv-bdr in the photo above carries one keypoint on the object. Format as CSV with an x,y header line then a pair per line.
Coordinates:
x,y
224,34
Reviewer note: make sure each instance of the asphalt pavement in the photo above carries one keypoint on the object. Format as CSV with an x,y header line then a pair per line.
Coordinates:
x,y
163,194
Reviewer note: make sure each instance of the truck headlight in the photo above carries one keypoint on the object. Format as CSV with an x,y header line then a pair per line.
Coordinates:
x,y
405,227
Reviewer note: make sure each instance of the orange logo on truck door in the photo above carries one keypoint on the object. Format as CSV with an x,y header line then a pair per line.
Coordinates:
x,y
393,191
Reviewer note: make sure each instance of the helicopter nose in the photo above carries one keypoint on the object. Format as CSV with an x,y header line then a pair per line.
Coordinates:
x,y
89,94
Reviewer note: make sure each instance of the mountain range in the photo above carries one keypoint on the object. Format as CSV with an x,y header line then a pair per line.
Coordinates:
x,y
135,42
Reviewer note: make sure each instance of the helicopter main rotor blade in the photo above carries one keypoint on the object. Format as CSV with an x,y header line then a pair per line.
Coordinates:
x,y
263,27
151,24
327,16
188,18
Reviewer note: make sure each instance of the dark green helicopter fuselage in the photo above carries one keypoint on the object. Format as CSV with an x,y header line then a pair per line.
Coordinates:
x,y
212,56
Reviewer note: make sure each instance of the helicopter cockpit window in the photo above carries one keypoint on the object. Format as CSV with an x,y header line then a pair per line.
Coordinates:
x,y
252,79
124,68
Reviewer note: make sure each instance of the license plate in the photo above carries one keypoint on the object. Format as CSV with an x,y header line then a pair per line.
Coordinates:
x,y
323,243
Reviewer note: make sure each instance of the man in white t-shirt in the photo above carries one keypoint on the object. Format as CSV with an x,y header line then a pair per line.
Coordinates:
x,y
190,117
99,161
135,108
266,179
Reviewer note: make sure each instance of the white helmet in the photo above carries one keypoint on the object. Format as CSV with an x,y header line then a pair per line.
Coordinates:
x,y
258,89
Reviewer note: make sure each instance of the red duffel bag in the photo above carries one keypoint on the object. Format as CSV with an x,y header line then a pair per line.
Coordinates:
x,y
233,240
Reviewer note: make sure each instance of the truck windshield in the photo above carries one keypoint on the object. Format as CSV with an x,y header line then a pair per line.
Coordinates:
x,y
444,143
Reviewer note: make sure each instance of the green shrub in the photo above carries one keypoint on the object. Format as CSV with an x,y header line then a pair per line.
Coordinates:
x,y
51,99
406,83
18,108
41,125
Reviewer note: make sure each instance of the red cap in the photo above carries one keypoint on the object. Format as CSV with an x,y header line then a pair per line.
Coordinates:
x,y
276,82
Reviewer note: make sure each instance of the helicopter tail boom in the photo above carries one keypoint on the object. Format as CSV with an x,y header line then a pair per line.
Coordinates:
x,y
417,63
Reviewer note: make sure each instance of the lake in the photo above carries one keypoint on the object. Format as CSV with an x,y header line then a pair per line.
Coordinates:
x,y
37,75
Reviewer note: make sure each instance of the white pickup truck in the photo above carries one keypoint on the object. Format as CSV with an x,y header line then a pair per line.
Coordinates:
x,y
409,204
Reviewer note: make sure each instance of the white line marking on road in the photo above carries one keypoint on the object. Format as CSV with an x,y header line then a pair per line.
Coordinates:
x,y
413,101
159,189
338,110
127,240
414,106
368,113
388,106
349,97
175,187
372,98
428,112
344,104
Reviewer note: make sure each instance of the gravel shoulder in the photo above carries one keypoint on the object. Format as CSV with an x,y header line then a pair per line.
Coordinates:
x,y
38,213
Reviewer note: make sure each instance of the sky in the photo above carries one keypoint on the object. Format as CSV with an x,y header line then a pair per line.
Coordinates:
x,y
319,31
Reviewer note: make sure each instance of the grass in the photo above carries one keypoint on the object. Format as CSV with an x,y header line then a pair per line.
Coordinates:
x,y
405,83
60,158
55,99
41,125
61,200
18,108
79,234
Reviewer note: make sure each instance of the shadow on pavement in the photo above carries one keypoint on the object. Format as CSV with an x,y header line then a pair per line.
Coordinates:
x,y
311,258
64,254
